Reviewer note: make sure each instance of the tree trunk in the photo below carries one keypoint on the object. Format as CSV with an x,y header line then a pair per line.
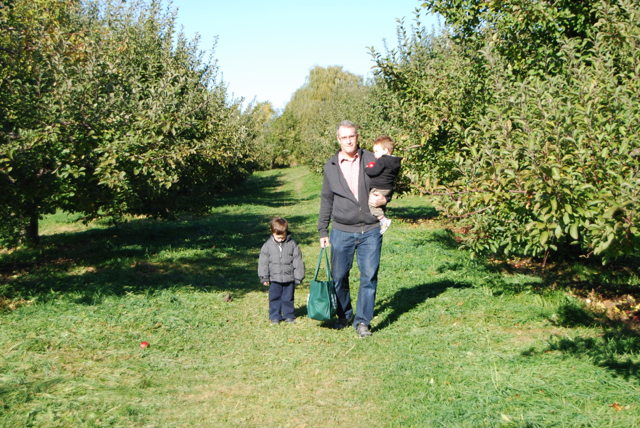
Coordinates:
x,y
33,235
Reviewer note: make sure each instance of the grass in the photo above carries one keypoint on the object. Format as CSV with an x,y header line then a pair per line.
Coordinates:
x,y
457,342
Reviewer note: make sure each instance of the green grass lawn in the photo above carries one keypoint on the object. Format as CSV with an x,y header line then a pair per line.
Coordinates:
x,y
456,342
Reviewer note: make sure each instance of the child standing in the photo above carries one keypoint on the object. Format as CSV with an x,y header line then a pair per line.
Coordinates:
x,y
281,268
383,173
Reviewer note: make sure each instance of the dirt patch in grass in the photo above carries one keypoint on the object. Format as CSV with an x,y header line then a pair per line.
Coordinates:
x,y
613,310
65,228
13,304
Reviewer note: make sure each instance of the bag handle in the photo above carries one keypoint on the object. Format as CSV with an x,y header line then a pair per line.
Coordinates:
x,y
326,256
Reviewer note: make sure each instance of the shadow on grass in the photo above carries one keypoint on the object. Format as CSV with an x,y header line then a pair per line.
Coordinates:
x,y
442,237
300,311
582,276
616,349
406,299
213,253
586,277
412,214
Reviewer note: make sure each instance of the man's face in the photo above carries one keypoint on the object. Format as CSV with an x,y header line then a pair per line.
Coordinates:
x,y
348,139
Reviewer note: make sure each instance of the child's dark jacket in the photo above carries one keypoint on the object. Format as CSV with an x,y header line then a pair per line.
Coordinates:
x,y
281,261
384,172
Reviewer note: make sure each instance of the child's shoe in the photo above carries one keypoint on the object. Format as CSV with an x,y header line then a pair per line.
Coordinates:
x,y
384,225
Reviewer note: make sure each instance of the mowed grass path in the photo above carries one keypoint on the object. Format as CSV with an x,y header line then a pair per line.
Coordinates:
x,y
456,343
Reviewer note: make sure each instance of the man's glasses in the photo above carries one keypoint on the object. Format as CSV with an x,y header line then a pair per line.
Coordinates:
x,y
348,137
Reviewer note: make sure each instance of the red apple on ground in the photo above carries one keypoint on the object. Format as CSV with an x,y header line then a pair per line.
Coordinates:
x,y
371,164
144,345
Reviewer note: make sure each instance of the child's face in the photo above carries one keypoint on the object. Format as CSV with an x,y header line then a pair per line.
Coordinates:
x,y
378,151
279,238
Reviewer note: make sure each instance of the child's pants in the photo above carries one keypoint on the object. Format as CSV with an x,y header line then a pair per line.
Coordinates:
x,y
281,300
379,211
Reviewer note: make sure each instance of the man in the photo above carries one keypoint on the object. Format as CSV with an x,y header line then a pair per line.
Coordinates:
x,y
344,201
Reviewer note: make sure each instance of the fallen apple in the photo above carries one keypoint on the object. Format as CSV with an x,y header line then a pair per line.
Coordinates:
x,y
371,164
144,345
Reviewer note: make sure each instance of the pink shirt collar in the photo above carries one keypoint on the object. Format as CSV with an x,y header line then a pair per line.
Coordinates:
x,y
342,157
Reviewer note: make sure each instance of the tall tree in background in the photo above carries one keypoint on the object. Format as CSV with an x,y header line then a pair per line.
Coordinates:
x,y
328,96
260,119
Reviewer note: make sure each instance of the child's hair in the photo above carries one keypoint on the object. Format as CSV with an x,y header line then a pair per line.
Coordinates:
x,y
386,142
279,226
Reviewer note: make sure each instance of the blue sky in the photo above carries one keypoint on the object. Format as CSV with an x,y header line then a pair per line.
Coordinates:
x,y
265,49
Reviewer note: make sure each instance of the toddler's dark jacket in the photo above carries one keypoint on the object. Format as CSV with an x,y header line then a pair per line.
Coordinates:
x,y
384,172
281,261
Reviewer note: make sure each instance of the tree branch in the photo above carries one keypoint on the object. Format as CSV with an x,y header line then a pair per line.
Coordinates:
x,y
7,50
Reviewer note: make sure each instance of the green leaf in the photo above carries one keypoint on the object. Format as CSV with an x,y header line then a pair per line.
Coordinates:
x,y
573,231
544,237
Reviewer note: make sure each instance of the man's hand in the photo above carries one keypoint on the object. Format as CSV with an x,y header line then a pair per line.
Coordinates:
x,y
377,200
324,242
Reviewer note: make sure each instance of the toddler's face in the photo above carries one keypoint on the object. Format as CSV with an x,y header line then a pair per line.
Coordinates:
x,y
378,151
279,238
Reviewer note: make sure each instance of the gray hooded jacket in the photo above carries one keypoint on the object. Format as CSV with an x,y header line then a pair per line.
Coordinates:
x,y
281,261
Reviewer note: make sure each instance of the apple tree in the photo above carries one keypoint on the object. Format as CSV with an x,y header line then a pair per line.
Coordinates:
x,y
554,164
108,111
534,152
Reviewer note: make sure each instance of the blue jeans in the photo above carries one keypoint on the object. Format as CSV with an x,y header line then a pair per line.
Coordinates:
x,y
367,248
281,296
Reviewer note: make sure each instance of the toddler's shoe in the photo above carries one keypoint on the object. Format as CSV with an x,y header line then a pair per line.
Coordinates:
x,y
275,322
290,320
340,323
384,225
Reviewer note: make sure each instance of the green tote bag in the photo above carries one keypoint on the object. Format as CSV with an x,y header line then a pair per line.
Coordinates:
x,y
322,302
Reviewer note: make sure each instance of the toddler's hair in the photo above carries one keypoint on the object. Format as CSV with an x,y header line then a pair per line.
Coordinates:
x,y
279,226
386,142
